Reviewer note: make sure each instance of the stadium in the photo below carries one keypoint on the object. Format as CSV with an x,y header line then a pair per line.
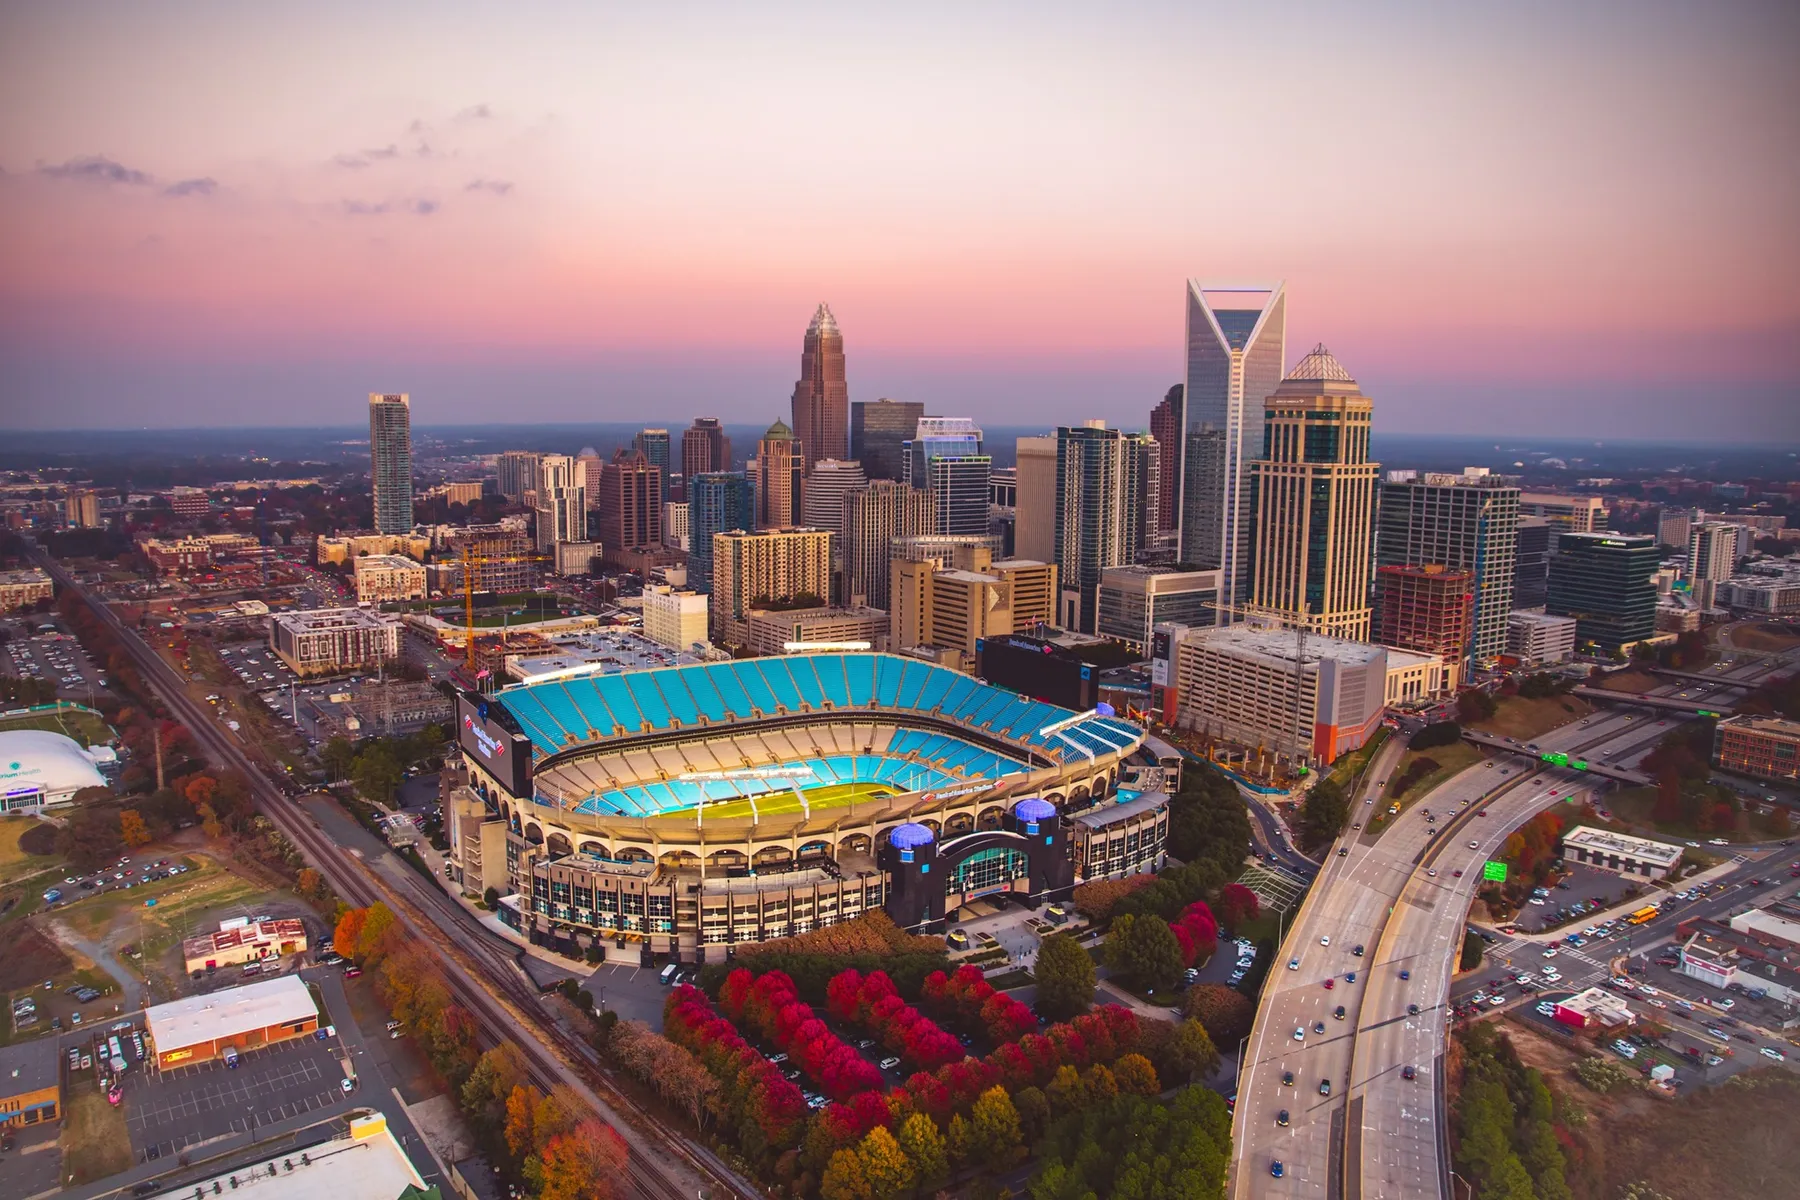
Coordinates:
x,y
764,778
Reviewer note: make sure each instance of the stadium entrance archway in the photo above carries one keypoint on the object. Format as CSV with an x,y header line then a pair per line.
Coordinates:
x,y
1027,858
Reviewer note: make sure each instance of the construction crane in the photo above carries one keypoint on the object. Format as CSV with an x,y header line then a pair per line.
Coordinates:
x,y
472,558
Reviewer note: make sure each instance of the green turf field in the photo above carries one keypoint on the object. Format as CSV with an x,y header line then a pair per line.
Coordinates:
x,y
830,795
84,727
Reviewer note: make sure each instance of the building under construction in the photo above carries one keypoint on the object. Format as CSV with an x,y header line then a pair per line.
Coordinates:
x,y
1429,608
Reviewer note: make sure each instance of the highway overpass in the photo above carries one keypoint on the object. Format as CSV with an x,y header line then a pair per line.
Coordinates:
x,y
1558,758
1693,708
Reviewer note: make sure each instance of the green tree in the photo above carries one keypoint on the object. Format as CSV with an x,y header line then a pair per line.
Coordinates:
x,y
1066,1093
339,756
886,1168
925,1150
377,774
1144,949
1034,1112
1065,978
1323,813
994,1125
960,1140
1510,1180
1190,1055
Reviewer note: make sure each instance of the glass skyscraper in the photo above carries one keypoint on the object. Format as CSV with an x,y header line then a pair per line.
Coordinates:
x,y
821,397
390,461
654,445
718,502
1606,581
1467,522
1236,347
879,431
945,459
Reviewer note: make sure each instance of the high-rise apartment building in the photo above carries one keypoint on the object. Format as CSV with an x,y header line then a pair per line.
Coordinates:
x,y
946,459
718,502
1134,600
821,397
589,468
704,449
1711,558
1466,522
1531,569
1236,349
873,517
675,525
1672,526
1428,608
654,445
1314,496
780,459
1105,491
561,502
751,570
1166,426
517,473
1583,514
628,509
1141,457
390,460
879,432
1606,581
1034,520
822,496
81,509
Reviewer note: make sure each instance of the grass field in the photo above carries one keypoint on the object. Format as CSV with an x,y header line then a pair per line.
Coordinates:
x,y
12,858
1764,637
84,727
1525,719
831,795
1451,760
95,1143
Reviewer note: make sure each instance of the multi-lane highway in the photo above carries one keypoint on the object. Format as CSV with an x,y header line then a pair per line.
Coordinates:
x,y
1400,898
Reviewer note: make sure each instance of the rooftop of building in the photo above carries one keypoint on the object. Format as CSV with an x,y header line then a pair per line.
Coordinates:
x,y
365,1163
332,618
1123,807
395,562
1526,616
1281,645
1609,842
1716,942
30,1066
245,935
601,865
229,1012
1760,723
25,575
1608,1008
609,650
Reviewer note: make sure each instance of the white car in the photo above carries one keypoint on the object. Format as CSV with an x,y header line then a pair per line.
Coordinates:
x,y
1552,976
1550,952
1772,1052
1546,1009
1325,941
1300,1034
1725,1002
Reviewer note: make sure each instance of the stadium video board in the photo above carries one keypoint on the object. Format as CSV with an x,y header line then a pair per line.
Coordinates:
x,y
502,752
1039,669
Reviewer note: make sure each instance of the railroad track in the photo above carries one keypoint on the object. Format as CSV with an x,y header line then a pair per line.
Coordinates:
x,y
482,975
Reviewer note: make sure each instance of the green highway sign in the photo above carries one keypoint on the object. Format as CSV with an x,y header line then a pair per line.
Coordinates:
x,y
1494,872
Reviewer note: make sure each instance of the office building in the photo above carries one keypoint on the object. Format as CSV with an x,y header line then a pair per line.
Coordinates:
x,y
589,469
1605,581
654,445
331,641
879,432
1236,349
1531,563
786,631
1711,558
1672,526
764,568
189,501
704,449
873,517
1430,609
390,461
1414,678
628,509
1577,514
516,475
1167,421
177,556
1251,685
1676,612
561,502
1764,747
825,490
943,603
24,588
1466,522
572,560
465,493
1134,600
675,525
1003,488
1313,496
386,577
1538,639
674,617
821,397
718,502
1035,522
946,459
1620,853
81,509
776,472
1105,488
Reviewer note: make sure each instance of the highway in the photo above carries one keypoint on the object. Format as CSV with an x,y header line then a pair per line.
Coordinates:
x,y
480,970
1376,892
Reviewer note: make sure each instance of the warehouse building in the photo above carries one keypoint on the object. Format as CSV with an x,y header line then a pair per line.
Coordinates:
x,y
199,1028
1621,853
243,942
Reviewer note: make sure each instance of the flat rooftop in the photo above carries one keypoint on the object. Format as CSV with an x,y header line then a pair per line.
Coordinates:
x,y
331,618
366,1164
229,1012
1605,841
33,1064
1278,645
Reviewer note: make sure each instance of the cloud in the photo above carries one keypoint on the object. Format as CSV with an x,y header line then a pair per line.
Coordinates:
x,y
370,208
362,158
362,208
192,187
498,187
423,208
388,151
475,112
354,162
98,168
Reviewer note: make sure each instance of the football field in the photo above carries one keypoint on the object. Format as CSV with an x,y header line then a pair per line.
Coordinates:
x,y
830,795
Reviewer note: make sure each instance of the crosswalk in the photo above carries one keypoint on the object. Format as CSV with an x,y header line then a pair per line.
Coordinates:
x,y
1519,955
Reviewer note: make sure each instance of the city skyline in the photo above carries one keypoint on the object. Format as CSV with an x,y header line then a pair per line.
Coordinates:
x,y
480,234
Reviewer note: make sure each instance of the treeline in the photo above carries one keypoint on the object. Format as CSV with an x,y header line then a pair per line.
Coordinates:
x,y
378,765
1509,1127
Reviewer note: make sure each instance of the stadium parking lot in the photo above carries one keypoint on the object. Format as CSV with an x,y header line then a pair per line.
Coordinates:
x,y
178,1107
256,666
39,650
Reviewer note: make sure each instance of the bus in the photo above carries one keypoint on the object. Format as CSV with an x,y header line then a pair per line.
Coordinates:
x,y
1646,913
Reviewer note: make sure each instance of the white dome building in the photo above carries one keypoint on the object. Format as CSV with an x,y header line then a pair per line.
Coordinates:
x,y
40,770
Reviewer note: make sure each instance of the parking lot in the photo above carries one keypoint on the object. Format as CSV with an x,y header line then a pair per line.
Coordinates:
x,y
256,666
182,1106
41,649
1589,885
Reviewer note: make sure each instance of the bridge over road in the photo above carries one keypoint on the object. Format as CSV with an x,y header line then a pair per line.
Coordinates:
x,y
1557,758
1697,708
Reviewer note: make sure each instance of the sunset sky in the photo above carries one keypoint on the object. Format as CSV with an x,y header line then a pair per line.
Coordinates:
x,y
1562,218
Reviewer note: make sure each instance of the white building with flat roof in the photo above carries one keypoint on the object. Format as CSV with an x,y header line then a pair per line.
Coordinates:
x,y
365,1163
198,1028
1537,639
384,577
1621,853
674,617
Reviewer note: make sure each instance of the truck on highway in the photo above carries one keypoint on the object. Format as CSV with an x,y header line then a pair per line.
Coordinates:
x,y
1646,913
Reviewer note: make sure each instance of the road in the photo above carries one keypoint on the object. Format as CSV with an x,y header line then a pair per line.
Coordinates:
x,y
480,970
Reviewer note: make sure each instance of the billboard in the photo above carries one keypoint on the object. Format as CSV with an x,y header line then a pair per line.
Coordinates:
x,y
1039,669
1161,651
483,732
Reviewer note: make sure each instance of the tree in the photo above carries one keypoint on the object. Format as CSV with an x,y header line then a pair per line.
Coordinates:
x,y
845,1178
886,1168
961,1140
1225,1013
1473,706
339,756
348,930
1191,1055
132,830
1065,977
1441,733
1236,905
1135,1075
1066,1093
1145,950
581,1164
521,1107
994,1124
1034,1112
371,940
200,790
925,1151
1323,813
310,884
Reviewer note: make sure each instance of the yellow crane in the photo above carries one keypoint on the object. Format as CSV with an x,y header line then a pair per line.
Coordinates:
x,y
472,558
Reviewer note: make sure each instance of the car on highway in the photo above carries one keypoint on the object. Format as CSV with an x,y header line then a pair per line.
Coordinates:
x,y
1330,983
1324,1087
1281,1118
1474,845
1772,1052
1338,1012
1325,940
1409,1072
1276,1169
1358,951
1350,978
1318,1027
1431,872
1412,1010
1287,1079
1405,974
1299,1033
1293,964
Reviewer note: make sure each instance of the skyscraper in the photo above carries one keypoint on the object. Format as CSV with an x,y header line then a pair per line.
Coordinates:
x,y
589,467
824,492
390,461
654,445
561,502
1711,557
1313,491
1466,522
629,512
1034,505
1236,348
873,517
1531,563
879,432
1166,422
1095,521
821,398
704,448
518,475
1141,457
718,502
945,458
1606,581
778,465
